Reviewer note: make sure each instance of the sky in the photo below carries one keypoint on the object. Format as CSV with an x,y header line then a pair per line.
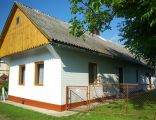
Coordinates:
x,y
57,8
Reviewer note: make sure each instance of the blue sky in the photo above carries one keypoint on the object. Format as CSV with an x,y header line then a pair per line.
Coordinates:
x,y
57,8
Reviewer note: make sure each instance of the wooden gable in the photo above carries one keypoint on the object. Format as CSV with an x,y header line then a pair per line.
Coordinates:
x,y
20,34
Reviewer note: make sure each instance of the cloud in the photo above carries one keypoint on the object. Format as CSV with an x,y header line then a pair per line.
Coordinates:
x,y
116,39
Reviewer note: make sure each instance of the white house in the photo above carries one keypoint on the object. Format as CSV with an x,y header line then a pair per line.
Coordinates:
x,y
4,68
44,58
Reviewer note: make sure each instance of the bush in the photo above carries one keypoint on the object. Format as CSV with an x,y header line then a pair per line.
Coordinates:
x,y
0,89
5,86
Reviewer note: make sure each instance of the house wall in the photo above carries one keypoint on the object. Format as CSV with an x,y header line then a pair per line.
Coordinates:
x,y
75,71
50,92
65,67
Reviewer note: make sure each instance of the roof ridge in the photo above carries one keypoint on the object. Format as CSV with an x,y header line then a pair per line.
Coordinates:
x,y
18,3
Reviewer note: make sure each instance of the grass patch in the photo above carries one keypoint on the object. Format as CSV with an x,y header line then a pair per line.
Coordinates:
x,y
146,110
141,107
145,101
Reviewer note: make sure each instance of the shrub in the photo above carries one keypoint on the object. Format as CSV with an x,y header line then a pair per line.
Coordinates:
x,y
5,86
0,89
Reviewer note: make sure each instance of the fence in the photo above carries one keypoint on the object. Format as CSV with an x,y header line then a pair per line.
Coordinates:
x,y
111,98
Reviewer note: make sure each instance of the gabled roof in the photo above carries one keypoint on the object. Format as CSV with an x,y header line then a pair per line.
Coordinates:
x,y
21,36
58,31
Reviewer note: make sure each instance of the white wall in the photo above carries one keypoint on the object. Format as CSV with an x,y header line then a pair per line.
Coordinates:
x,y
75,69
50,92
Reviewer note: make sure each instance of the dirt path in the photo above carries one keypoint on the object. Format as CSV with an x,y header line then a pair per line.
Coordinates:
x,y
2,117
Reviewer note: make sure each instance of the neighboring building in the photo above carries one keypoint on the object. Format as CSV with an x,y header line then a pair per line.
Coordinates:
x,y
44,58
4,68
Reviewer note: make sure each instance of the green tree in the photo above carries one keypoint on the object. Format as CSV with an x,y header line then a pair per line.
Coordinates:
x,y
137,30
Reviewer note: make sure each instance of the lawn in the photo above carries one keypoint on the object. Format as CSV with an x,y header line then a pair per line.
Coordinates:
x,y
142,107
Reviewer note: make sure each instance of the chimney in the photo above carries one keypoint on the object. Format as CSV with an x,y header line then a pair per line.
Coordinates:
x,y
96,32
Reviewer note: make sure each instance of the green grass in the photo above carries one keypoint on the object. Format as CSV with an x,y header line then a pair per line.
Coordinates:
x,y
142,107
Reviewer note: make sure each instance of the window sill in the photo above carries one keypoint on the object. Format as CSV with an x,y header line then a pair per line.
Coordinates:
x,y
21,84
38,84
93,84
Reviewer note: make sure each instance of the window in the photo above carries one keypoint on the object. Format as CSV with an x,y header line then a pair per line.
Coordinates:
x,y
17,20
39,73
21,74
137,76
92,72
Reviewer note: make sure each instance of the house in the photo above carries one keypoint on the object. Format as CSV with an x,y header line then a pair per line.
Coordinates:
x,y
44,59
4,68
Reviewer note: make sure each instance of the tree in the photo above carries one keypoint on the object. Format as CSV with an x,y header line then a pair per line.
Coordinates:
x,y
137,30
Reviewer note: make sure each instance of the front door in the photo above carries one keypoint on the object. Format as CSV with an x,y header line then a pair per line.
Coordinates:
x,y
92,72
121,75
121,79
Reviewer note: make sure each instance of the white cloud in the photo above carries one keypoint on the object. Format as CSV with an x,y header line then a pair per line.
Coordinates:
x,y
115,39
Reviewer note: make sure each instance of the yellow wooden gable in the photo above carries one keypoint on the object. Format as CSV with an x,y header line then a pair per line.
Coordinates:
x,y
20,35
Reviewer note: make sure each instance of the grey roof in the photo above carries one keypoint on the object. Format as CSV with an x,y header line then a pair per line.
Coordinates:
x,y
58,31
